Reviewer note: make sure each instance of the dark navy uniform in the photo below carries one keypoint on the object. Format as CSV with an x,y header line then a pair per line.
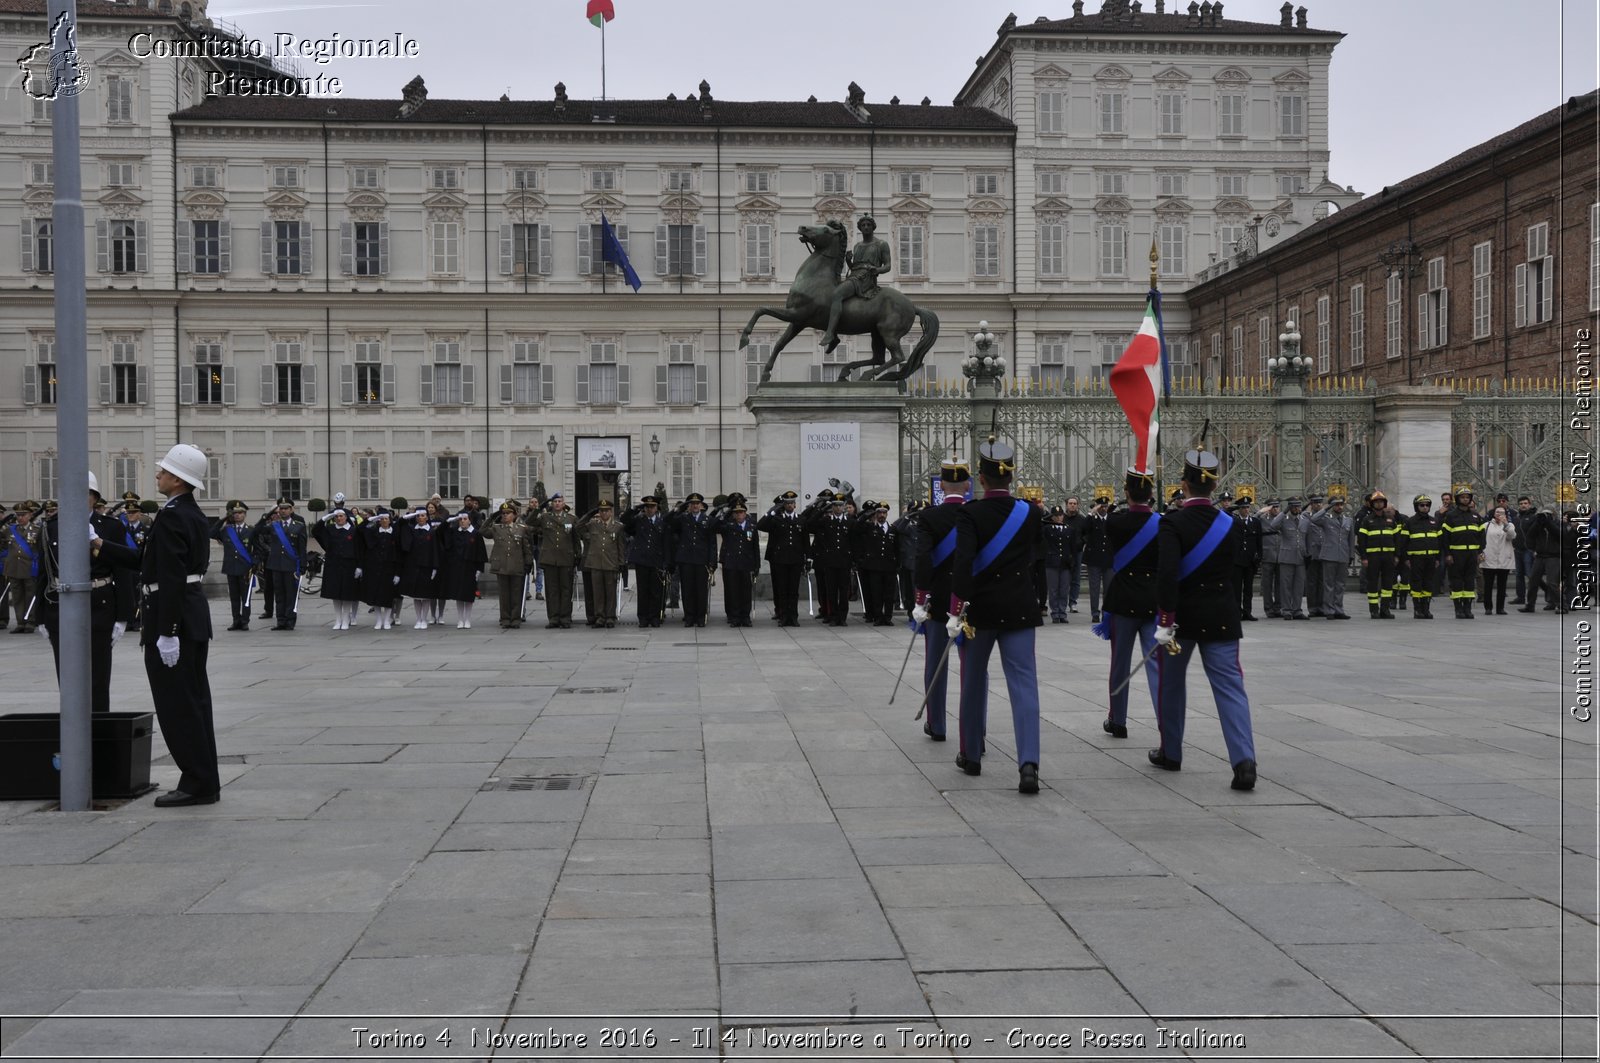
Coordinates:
x,y
741,560
1096,558
1062,546
1245,560
996,537
786,556
282,544
238,560
830,550
693,549
1129,611
107,607
1205,608
343,550
647,553
876,551
380,568
176,554
906,531
936,555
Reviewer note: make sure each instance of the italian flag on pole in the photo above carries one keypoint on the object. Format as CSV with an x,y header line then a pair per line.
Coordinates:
x,y
1139,382
601,12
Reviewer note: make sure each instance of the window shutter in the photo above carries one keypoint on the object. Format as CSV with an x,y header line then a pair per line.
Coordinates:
x,y
702,385
663,259
624,388
105,385
585,250
661,385
546,251
27,234
230,386
347,384
425,391
266,248
547,383
383,249
347,248
1547,287
506,263
507,389
752,250
102,245
583,384
431,486
1444,316
1422,322
308,384
701,255
469,385
186,376
224,247
30,385
141,246
141,385
305,248
269,385
464,470
1522,294
185,247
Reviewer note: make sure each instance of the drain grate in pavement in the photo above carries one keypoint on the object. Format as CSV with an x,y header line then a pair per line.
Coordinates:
x,y
699,643
535,782
619,649
590,690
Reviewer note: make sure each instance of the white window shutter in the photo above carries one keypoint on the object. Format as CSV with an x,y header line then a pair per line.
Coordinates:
x,y
624,388
30,385
185,246
432,478
663,259
347,384
269,385
141,385
105,385
29,227
506,257
1522,294
702,385
1444,316
469,385
464,470
507,388
347,248
701,254
383,249
1547,288
585,250
546,251
102,245
547,383
230,386
308,384
141,246
266,248
224,247
661,385
1422,322
186,375
306,255
425,390
583,384
386,385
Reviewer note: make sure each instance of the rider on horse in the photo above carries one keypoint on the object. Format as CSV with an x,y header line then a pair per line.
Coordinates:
x,y
869,259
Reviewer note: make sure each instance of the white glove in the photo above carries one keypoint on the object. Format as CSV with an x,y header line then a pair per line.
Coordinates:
x,y
952,626
43,631
919,614
117,631
1167,636
433,573
167,646
93,535
358,573
397,581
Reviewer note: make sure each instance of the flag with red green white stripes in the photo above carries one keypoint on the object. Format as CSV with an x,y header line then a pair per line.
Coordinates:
x,y
601,12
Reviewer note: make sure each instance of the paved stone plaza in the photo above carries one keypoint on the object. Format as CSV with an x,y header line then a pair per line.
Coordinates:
x,y
761,845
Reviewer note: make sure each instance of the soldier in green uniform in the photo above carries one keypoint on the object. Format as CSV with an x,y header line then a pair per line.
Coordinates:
x,y
558,552
509,560
868,261
605,551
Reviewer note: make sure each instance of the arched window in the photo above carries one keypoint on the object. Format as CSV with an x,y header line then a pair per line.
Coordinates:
x,y
164,6
186,12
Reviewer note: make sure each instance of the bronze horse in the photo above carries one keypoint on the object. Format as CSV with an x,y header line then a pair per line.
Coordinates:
x,y
887,314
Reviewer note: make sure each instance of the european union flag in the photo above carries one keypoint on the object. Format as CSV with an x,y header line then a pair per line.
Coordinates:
x,y
611,250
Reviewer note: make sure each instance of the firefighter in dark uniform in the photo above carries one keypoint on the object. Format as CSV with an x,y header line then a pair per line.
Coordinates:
x,y
740,555
693,549
936,554
993,582
1199,613
786,556
238,559
877,557
830,549
1461,541
1129,610
177,631
1417,546
109,612
1375,543
647,553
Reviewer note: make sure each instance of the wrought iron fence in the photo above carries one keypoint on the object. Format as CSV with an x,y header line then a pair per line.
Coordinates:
x,y
1506,437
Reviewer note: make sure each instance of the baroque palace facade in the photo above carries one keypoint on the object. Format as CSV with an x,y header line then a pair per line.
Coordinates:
x,y
402,296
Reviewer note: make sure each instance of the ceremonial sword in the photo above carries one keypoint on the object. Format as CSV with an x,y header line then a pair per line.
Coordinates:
x,y
939,668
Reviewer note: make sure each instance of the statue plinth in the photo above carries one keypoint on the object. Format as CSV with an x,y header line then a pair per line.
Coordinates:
x,y
809,433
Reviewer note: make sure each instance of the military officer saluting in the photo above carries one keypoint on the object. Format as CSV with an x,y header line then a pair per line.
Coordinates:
x,y
996,537
830,546
936,555
1130,606
238,559
786,556
647,553
1199,613
693,549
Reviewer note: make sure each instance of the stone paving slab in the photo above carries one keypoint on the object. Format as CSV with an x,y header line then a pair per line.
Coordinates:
x,y
758,841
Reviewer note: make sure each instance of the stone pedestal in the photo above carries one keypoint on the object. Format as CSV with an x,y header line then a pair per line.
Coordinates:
x,y
1413,427
781,409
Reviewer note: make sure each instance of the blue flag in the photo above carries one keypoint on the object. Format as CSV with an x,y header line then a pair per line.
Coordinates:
x,y
611,250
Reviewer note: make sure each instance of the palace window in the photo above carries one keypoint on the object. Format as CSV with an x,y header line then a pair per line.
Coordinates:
x,y
526,380
207,387
286,248
1113,249
1052,111
1053,249
1536,278
1391,317
1291,115
124,382
39,377
1433,309
368,476
1170,107
986,250
1358,324
1231,114
1324,344
757,249
38,245
525,250
912,238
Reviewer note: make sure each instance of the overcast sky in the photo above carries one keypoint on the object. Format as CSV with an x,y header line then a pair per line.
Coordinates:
x,y
1414,81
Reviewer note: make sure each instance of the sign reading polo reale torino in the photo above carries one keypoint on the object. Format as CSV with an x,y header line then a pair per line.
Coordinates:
x,y
829,450
602,453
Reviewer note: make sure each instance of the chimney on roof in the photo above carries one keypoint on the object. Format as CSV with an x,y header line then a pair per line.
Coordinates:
x,y
1205,14
1134,10
1300,17
1286,14
812,98
1077,8
1216,13
855,95
672,97
1161,7
705,98
561,97
1194,12
894,101
505,97
1008,25
412,96
926,102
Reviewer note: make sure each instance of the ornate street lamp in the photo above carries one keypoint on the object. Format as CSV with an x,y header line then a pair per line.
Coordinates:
x,y
1401,258
1290,364
655,448
983,365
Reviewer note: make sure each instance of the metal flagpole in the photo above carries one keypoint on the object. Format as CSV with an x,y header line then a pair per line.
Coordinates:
x,y
72,408
602,59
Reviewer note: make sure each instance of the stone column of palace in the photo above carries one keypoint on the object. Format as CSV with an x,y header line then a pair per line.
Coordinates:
x,y
1413,425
